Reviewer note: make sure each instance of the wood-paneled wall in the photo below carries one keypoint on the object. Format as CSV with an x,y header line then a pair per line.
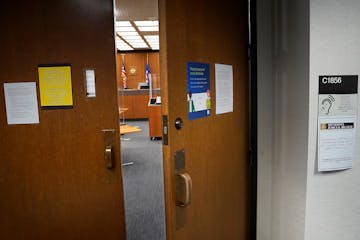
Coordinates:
x,y
138,61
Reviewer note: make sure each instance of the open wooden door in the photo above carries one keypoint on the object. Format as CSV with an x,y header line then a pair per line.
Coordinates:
x,y
216,146
54,179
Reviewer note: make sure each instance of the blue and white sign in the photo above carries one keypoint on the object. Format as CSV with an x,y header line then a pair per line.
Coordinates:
x,y
198,90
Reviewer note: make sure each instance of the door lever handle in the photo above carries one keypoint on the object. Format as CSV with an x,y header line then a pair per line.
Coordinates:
x,y
183,189
109,157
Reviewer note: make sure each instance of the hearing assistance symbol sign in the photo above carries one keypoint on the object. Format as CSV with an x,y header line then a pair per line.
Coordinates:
x,y
337,122
198,90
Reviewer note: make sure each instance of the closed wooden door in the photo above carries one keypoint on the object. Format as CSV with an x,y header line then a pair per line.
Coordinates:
x,y
54,183
215,146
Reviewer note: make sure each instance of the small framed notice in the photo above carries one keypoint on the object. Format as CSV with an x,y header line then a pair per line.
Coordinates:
x,y
55,86
90,82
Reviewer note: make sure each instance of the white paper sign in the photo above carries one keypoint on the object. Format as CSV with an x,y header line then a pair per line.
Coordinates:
x,y
90,83
21,103
224,88
336,142
337,114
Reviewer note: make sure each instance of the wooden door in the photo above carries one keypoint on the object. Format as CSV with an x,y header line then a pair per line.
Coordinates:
x,y
216,147
53,179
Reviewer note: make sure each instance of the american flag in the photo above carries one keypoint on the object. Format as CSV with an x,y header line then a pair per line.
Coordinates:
x,y
148,74
123,76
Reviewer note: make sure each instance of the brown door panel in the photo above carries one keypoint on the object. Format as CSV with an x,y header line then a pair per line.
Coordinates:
x,y
216,147
53,180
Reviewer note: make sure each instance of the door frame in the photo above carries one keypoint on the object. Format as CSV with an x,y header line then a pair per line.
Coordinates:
x,y
253,138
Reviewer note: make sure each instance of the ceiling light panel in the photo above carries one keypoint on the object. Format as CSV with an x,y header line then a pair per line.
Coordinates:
x,y
151,37
146,23
128,48
123,34
122,24
149,29
120,42
132,37
125,29
123,46
154,45
138,45
153,41
136,41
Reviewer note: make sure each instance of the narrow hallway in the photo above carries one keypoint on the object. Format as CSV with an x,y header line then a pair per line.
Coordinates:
x,y
143,185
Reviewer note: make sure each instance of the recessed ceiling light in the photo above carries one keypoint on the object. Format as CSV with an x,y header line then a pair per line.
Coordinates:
x,y
153,40
154,43
149,29
151,37
119,41
125,29
128,34
137,43
139,46
132,37
146,23
122,45
123,24
128,48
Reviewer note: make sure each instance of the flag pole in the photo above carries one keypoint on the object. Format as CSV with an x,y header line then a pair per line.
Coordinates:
x,y
122,106
123,72
148,75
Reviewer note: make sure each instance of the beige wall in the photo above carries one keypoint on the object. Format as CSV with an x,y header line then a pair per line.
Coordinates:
x,y
333,199
294,48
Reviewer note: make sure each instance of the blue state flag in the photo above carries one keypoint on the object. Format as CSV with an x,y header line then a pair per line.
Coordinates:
x,y
148,75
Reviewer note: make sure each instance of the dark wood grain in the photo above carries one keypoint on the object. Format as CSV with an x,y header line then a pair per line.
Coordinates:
x,y
216,147
53,183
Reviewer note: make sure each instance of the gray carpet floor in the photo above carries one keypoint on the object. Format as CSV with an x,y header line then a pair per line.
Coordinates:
x,y
143,185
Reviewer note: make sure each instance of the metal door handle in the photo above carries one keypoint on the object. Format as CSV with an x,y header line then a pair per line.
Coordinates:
x,y
183,189
109,157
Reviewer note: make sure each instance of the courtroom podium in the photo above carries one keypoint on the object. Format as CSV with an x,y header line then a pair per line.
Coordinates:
x,y
155,126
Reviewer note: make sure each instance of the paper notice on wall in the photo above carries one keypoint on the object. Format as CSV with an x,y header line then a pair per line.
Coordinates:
x,y
337,122
21,103
224,88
